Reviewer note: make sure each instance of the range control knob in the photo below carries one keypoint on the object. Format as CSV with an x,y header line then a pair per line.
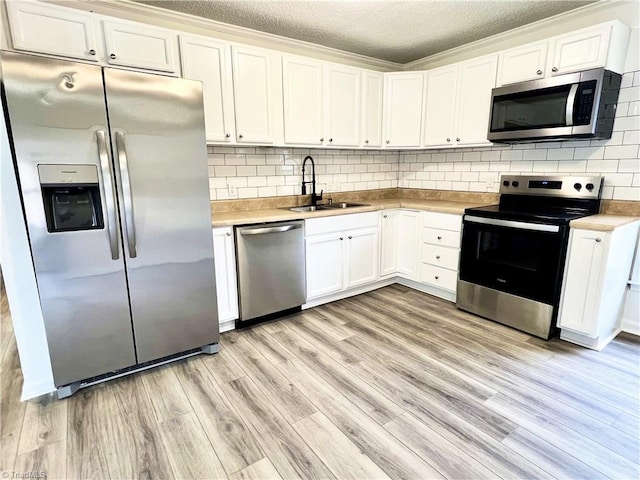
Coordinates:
x,y
515,183
505,183
590,186
577,186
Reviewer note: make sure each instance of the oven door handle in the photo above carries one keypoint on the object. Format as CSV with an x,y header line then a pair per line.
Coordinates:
x,y
512,223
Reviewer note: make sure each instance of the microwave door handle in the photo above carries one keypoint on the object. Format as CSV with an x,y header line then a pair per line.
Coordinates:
x,y
125,181
108,193
571,103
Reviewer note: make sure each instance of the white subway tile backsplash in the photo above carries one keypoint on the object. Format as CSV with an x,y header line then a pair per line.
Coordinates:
x,y
268,171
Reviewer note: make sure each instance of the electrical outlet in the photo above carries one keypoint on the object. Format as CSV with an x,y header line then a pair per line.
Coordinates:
x,y
492,179
403,183
232,190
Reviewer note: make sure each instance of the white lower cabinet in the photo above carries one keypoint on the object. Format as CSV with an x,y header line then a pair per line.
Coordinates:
x,y
400,243
595,284
440,253
342,253
226,281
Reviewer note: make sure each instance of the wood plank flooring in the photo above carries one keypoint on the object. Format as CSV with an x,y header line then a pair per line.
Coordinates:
x,y
392,384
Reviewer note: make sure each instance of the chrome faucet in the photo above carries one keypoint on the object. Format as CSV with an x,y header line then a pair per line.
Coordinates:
x,y
314,197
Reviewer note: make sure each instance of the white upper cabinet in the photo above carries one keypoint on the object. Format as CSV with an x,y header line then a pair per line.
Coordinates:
x,y
523,63
53,30
342,101
257,83
477,79
603,45
132,44
209,61
403,109
440,106
303,100
371,122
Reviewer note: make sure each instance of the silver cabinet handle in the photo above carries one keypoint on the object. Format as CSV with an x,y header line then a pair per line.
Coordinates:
x,y
263,230
539,72
384,216
129,225
437,257
330,140
112,56
448,139
439,237
227,135
228,234
366,141
598,239
554,69
436,277
108,193
240,136
388,141
92,52
341,238
457,139
350,237
322,139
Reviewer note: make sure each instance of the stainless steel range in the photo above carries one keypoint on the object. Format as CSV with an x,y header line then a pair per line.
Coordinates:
x,y
513,254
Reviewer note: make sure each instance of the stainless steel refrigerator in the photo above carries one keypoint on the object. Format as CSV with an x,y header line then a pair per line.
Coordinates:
x,y
112,170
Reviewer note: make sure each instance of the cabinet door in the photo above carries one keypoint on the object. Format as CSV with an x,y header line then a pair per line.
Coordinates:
x,y
342,100
208,60
389,242
53,30
135,45
477,78
403,109
225,265
581,50
362,256
257,83
440,106
371,124
409,241
582,283
325,264
523,63
303,105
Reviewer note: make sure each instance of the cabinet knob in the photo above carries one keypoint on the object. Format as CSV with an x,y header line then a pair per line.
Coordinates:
x,y
228,234
112,56
598,239
439,237
240,136
341,238
322,139
331,140
457,139
350,237
92,52
227,135
448,139
384,216
366,141
554,69
388,141
539,72
437,257
436,277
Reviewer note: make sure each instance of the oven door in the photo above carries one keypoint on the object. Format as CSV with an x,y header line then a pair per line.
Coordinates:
x,y
521,258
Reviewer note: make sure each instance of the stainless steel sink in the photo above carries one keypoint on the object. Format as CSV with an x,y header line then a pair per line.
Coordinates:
x,y
346,205
307,208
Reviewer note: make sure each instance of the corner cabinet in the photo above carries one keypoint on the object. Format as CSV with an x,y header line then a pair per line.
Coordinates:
x,y
209,61
403,94
400,243
440,107
226,282
341,252
595,284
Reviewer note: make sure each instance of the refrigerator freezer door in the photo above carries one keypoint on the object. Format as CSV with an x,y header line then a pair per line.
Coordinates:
x,y
56,110
158,138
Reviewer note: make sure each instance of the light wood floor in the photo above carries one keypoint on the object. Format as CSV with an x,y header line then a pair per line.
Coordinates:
x,y
390,384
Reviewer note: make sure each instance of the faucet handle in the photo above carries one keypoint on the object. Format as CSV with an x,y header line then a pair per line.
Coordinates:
x,y
319,197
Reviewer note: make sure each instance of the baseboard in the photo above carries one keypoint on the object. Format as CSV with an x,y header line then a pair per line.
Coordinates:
x,y
421,287
36,389
588,342
227,326
350,293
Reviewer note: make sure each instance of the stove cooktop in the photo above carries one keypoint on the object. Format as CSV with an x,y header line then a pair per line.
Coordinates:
x,y
557,217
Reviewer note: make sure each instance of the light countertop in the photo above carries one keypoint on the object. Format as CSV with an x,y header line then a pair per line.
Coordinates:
x,y
602,223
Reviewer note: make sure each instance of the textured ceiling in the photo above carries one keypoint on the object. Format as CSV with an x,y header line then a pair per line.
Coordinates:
x,y
395,30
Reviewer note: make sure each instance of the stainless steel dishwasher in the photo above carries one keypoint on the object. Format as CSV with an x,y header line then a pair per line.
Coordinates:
x,y
271,269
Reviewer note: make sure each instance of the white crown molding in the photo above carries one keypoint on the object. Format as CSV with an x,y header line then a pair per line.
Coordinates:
x,y
623,10
189,23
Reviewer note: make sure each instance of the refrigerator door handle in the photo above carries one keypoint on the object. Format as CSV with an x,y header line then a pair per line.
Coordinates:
x,y
108,193
129,226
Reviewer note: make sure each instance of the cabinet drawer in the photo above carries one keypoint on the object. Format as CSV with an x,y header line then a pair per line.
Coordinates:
x,y
439,277
444,221
445,238
445,257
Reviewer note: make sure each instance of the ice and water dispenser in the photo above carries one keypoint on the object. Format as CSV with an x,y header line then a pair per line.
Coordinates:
x,y
71,195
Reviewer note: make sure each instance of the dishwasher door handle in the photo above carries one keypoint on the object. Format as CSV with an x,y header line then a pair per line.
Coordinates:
x,y
279,229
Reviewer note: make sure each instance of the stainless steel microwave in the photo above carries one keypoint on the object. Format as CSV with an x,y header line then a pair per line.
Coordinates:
x,y
573,106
